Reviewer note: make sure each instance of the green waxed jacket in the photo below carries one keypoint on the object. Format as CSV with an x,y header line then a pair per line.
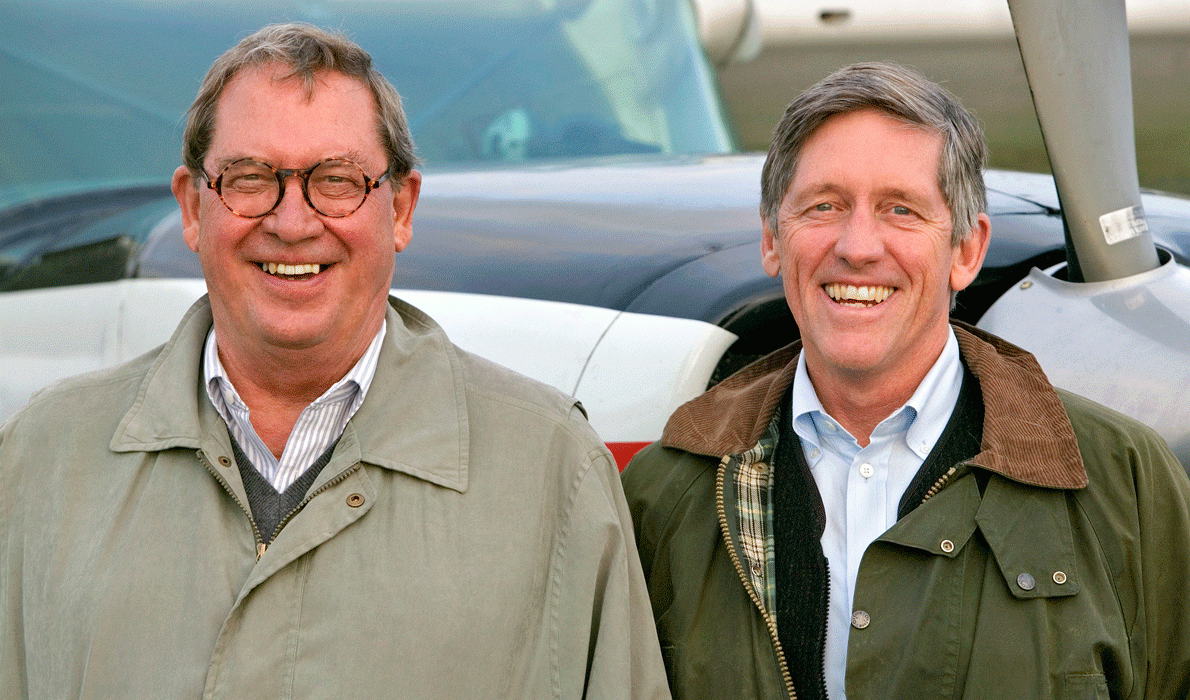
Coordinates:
x,y
1054,564
468,539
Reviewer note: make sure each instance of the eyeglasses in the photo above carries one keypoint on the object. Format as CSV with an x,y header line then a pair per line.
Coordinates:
x,y
252,189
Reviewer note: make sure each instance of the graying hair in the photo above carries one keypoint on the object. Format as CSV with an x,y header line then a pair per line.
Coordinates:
x,y
903,94
305,50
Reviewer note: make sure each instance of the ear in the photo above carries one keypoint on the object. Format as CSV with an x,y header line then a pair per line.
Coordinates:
x,y
770,250
405,196
186,192
967,257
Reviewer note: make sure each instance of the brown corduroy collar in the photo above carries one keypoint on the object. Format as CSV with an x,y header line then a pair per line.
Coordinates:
x,y
1027,435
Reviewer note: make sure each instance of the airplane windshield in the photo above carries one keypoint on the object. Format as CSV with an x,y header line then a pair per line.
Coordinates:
x,y
96,90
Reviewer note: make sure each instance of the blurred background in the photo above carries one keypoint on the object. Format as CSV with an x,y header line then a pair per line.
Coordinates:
x,y
766,51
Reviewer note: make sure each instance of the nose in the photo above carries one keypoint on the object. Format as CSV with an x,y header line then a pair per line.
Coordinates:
x,y
293,219
861,239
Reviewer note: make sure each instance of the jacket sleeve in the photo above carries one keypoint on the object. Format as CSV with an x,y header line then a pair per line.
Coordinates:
x,y
1139,498
1163,512
610,648
12,667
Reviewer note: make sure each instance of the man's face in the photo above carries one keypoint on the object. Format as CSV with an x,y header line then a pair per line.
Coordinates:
x,y
338,308
863,248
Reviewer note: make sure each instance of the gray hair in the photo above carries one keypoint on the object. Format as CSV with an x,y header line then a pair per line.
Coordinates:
x,y
305,50
904,94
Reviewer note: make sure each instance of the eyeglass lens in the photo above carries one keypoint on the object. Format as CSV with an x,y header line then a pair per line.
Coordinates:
x,y
334,188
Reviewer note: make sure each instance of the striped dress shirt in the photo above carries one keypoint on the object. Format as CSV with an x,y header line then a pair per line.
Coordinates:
x,y
318,427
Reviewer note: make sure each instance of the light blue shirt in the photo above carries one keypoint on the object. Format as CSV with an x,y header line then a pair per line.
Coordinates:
x,y
318,427
861,488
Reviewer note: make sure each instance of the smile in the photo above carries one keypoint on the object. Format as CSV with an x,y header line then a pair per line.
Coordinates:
x,y
851,295
282,269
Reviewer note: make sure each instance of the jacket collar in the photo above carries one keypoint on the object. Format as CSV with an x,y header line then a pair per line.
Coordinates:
x,y
1027,435
414,419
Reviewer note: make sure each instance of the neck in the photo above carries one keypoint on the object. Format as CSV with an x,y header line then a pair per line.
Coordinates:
x,y
277,384
860,399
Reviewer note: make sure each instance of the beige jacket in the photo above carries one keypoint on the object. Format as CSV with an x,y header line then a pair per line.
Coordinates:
x,y
468,539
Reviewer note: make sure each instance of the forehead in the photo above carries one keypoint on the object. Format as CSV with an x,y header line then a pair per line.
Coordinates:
x,y
870,148
286,120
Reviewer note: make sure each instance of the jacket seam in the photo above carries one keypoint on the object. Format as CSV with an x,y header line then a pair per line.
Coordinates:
x,y
558,573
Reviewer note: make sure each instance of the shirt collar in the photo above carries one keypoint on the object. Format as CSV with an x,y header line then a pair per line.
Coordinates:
x,y
354,384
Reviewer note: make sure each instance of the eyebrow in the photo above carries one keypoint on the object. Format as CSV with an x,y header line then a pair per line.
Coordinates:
x,y
353,156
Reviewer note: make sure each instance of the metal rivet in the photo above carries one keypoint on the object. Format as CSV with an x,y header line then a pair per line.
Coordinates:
x,y
757,568
1026,284
355,500
947,546
1026,582
1059,577
224,461
760,466
860,619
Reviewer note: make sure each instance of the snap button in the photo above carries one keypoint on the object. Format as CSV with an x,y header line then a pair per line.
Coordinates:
x,y
760,466
860,619
355,500
947,546
224,461
1026,582
866,471
757,568
1059,577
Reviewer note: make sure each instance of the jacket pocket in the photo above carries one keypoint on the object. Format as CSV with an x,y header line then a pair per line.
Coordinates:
x,y
1086,686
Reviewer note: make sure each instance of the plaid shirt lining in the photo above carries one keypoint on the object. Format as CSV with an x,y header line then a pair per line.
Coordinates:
x,y
753,477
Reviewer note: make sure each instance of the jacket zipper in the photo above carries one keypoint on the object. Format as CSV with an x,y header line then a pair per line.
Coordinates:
x,y
309,497
770,624
941,482
260,545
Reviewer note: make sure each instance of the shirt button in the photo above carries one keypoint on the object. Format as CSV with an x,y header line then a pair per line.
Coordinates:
x,y
1059,577
866,471
947,546
814,453
1026,582
860,619
828,427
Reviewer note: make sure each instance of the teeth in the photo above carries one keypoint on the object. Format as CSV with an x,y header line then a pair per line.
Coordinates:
x,y
858,296
290,270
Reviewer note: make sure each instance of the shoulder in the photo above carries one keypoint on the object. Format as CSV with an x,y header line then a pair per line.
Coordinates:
x,y
1109,439
664,485
85,399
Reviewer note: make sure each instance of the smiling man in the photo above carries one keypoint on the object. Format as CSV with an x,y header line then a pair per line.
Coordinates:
x,y
897,506
309,492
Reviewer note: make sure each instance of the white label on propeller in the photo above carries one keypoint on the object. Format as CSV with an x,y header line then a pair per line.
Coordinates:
x,y
1122,224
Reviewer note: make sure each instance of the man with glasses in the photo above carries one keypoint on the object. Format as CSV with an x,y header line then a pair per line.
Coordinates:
x,y
308,491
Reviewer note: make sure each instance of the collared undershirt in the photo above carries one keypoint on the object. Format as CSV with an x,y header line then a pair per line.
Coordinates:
x,y
861,488
318,427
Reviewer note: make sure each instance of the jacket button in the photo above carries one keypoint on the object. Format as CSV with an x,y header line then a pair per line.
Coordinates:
x,y
760,467
1059,577
355,500
947,546
1026,582
224,461
860,619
